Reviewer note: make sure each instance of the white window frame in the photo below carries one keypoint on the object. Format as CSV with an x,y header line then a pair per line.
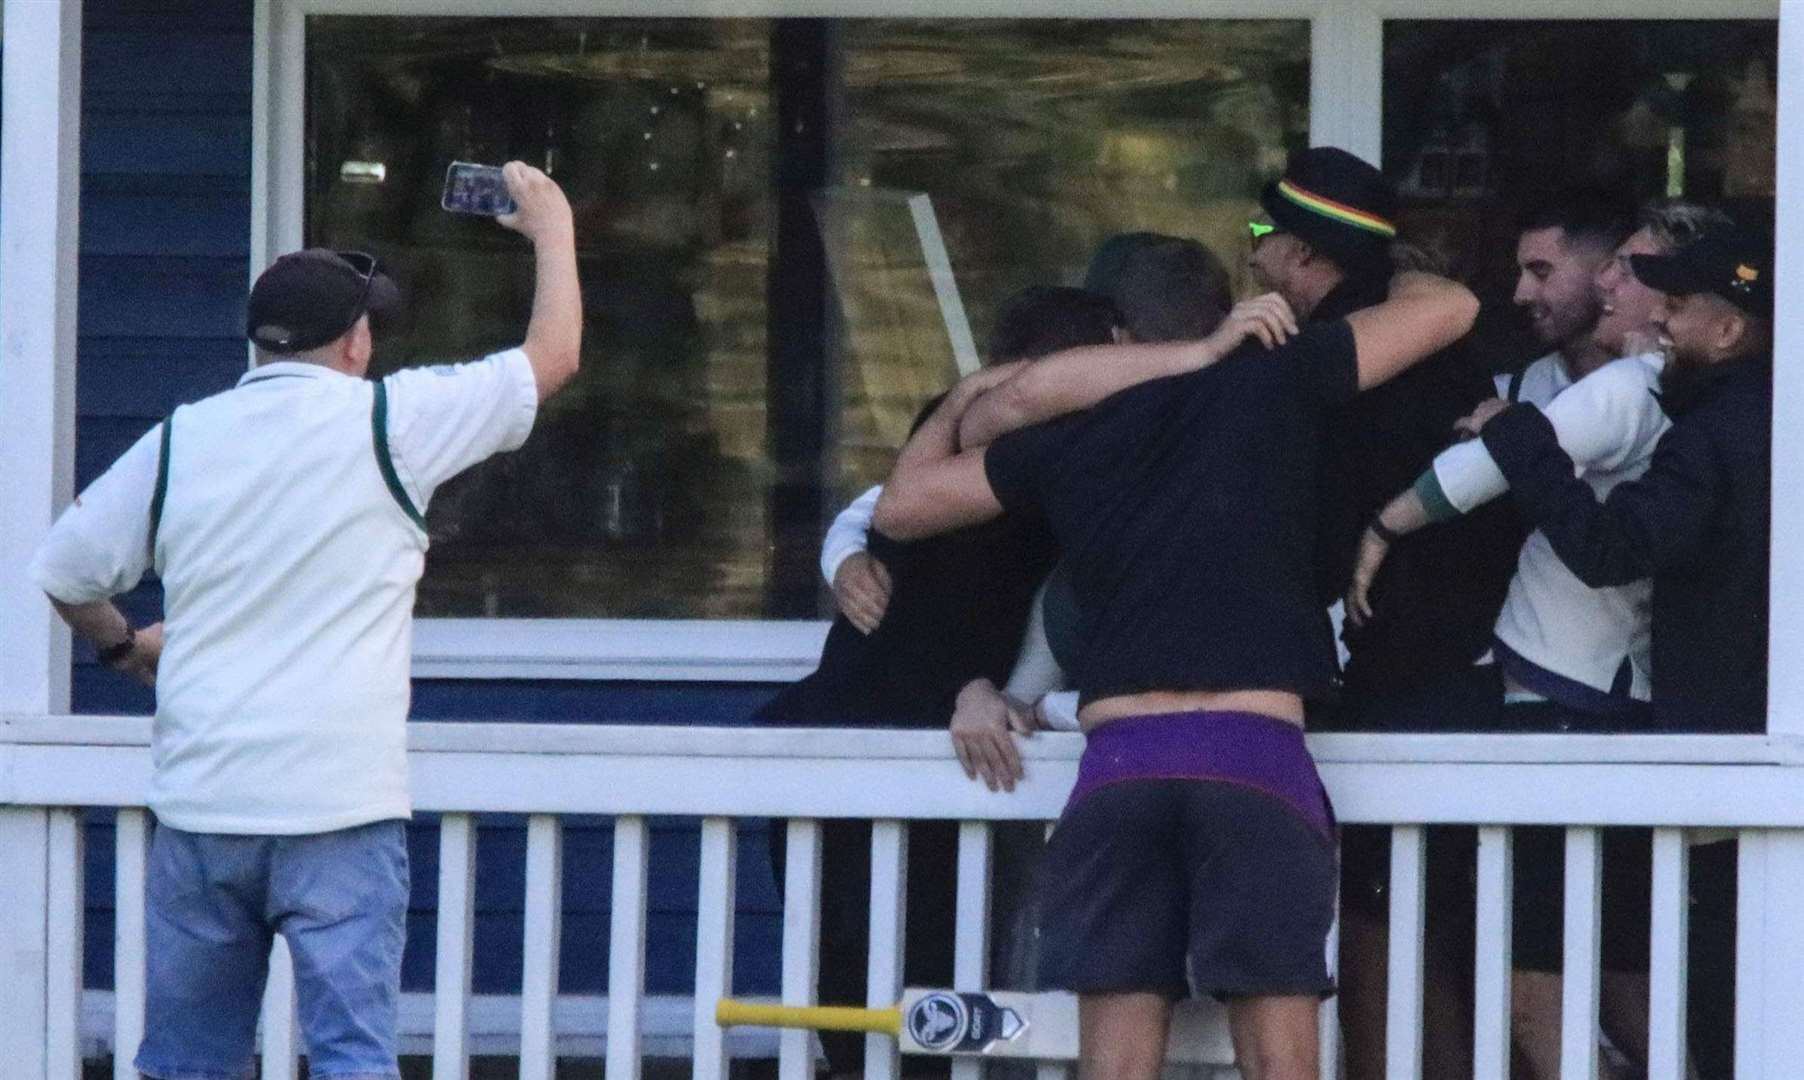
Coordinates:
x,y
1346,80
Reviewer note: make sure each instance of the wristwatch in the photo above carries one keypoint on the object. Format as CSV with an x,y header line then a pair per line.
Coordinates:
x,y
112,654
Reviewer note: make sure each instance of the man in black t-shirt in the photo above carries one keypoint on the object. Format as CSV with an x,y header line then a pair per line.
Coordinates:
x,y
1185,508
1325,243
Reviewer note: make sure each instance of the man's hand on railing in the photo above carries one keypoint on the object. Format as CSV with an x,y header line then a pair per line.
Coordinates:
x,y
982,722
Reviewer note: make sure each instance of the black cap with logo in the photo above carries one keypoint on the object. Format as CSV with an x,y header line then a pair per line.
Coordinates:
x,y
308,298
1334,201
1735,264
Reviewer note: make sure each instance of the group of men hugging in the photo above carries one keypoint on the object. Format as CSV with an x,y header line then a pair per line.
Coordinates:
x,y
1133,522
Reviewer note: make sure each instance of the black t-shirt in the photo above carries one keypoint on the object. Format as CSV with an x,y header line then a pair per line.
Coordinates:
x,y
957,611
1437,595
1185,509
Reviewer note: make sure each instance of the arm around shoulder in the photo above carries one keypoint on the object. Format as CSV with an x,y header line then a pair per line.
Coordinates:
x,y
1423,315
934,487
1076,379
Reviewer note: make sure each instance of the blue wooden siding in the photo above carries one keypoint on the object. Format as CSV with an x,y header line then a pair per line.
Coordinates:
x,y
165,227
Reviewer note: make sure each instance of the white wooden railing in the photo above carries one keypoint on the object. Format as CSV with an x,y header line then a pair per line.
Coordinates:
x,y
52,767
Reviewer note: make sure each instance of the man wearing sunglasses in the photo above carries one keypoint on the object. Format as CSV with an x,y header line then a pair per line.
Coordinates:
x,y
1325,244
286,520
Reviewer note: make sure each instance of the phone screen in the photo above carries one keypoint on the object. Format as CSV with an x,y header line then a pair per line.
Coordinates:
x,y
476,189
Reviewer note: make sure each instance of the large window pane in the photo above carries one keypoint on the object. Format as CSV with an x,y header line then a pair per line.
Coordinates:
x,y
760,328
1481,118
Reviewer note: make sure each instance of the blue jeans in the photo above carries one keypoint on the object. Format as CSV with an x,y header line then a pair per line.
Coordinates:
x,y
214,903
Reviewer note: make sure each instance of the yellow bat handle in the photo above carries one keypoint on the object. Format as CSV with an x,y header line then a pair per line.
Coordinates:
x,y
732,1013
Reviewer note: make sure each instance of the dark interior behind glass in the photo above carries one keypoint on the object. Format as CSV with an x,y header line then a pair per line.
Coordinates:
x,y
742,377
1482,118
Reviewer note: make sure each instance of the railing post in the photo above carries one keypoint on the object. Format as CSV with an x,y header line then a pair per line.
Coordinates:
x,y
1667,966
801,942
887,940
716,893
65,909
971,942
1769,1007
132,847
24,940
1582,983
1491,965
626,946
542,937
456,947
1403,1011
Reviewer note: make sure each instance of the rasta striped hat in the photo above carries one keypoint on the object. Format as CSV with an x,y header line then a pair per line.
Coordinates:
x,y
1334,202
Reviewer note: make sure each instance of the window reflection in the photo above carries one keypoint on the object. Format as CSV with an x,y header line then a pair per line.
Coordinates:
x,y
743,375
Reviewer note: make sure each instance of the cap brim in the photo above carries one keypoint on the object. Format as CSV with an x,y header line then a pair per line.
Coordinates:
x,y
1284,214
1669,274
384,297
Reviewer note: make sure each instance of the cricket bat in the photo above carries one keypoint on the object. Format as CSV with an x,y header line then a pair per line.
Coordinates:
x,y
998,1023
991,1023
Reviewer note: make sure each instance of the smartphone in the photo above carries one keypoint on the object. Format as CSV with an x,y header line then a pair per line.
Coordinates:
x,y
476,189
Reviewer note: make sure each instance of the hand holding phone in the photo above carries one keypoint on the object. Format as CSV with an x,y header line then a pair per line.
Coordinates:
x,y
476,189
542,212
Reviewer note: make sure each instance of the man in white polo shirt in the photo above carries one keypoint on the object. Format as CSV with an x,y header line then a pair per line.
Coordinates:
x,y
286,520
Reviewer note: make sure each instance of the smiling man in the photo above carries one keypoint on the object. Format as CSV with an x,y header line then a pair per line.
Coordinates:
x,y
1698,520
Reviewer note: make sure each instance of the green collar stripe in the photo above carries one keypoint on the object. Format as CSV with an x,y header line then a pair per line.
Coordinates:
x,y
379,429
156,499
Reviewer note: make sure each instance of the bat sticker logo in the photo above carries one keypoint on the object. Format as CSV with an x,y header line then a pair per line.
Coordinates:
x,y
961,1023
938,1021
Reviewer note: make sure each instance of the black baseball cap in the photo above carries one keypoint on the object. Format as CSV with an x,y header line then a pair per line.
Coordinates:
x,y
310,297
1735,264
1334,201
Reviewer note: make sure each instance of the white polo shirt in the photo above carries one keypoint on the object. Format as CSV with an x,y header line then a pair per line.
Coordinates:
x,y
289,553
1609,423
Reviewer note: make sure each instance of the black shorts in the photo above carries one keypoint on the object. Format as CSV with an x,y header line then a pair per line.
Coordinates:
x,y
1180,886
1539,924
1450,877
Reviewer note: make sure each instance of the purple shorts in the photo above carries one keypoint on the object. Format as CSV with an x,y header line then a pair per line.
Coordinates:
x,y
1250,749
1196,855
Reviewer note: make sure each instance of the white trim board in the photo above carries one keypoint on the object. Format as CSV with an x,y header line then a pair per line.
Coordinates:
x,y
849,9
677,650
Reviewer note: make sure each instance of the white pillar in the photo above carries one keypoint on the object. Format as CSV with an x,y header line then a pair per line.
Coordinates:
x,y
39,177
1785,693
1346,79
40,164
1770,1006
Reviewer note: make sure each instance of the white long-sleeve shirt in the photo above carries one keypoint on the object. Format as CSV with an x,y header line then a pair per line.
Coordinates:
x,y
846,536
1608,423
